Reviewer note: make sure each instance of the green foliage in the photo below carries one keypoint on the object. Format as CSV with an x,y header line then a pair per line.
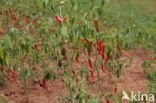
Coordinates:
x,y
147,63
151,76
26,74
3,80
2,100
37,38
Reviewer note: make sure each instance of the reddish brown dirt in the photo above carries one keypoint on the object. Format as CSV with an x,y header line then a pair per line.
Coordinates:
x,y
132,79
37,94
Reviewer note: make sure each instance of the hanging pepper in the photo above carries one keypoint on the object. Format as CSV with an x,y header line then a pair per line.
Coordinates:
x,y
43,84
90,63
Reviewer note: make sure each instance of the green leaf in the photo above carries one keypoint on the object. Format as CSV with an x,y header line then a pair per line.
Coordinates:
x,y
8,59
39,2
2,100
1,52
25,74
64,31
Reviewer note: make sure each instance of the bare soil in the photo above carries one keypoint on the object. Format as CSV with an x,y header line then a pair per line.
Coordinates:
x,y
132,79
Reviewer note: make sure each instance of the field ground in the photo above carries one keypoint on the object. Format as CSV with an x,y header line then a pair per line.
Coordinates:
x,y
47,59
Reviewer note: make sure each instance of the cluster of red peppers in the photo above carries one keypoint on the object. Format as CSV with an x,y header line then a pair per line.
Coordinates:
x,y
15,18
12,75
101,51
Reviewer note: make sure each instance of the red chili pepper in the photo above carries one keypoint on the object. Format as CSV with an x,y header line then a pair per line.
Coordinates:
x,y
102,67
18,25
63,53
115,90
119,48
15,19
27,19
36,46
0,8
101,48
106,71
10,11
34,21
85,40
85,51
2,33
12,75
90,63
36,67
99,42
96,24
153,58
108,57
107,101
51,29
43,84
92,75
74,73
103,56
77,58
1,67
59,19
